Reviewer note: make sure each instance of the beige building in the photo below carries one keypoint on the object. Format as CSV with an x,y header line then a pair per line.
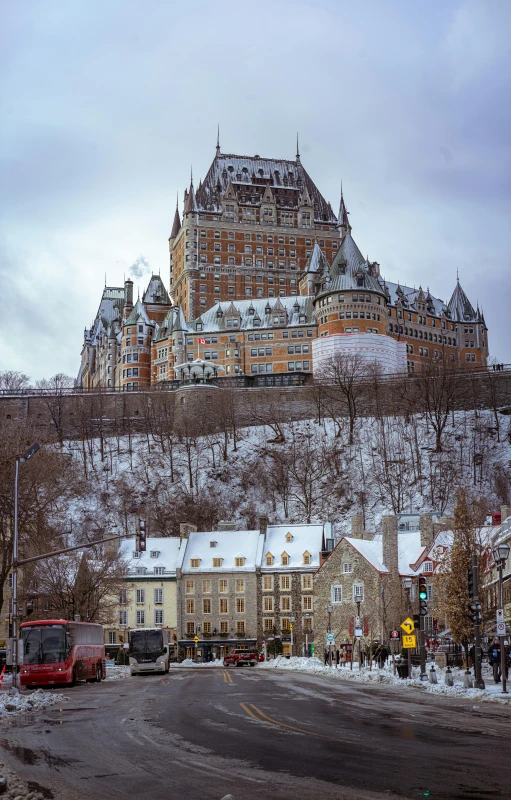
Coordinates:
x,y
149,599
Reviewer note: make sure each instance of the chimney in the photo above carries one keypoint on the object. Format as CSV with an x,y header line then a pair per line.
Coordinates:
x,y
357,526
185,528
128,297
505,512
426,528
263,525
390,544
224,525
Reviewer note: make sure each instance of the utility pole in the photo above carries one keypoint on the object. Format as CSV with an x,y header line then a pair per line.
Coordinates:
x,y
358,622
423,610
475,609
407,584
500,556
329,608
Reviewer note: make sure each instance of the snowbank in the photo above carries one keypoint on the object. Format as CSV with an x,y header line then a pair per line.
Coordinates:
x,y
189,663
115,672
492,693
37,700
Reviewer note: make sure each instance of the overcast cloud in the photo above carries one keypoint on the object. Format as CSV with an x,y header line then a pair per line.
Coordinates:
x,y
105,105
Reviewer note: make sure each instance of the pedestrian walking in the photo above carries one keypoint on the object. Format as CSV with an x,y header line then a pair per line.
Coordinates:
x,y
337,657
327,657
494,658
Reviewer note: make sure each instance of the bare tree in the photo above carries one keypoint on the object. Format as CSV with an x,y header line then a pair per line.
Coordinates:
x,y
12,381
54,393
342,379
437,391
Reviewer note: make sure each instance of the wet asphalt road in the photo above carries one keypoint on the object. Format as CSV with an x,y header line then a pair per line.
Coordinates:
x,y
205,733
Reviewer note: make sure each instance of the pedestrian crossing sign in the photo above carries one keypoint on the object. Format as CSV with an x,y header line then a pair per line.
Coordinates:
x,y
410,641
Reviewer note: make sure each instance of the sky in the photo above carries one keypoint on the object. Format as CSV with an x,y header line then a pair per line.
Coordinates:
x,y
105,107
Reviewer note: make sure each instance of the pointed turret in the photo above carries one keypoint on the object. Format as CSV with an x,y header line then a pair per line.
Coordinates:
x,y
459,305
343,221
218,141
176,225
191,203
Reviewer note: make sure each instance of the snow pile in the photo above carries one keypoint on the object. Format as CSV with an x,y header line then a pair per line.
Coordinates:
x,y
187,662
16,788
492,693
12,705
115,672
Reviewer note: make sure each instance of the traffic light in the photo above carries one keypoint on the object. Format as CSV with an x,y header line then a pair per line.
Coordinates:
x,y
471,583
423,596
417,621
29,608
475,613
142,536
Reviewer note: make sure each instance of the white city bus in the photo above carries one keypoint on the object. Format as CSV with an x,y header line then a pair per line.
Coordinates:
x,y
148,650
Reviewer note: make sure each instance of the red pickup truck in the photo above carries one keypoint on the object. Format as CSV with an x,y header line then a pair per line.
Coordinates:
x,y
240,658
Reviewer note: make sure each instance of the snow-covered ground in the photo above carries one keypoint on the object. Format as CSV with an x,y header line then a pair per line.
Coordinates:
x,y
37,700
114,672
492,692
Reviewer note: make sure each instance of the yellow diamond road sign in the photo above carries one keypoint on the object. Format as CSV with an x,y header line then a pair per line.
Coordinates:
x,y
195,639
408,625
409,641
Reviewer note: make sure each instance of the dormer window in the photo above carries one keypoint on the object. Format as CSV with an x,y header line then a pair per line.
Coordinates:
x,y
284,560
212,544
239,561
289,537
428,566
140,570
136,554
155,553
269,559
195,563
217,562
159,570
306,557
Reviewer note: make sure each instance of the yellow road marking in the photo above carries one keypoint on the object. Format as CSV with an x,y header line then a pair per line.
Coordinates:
x,y
265,718
227,677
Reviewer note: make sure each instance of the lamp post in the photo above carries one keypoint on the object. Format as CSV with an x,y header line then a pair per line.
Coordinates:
x,y
359,638
19,460
329,608
407,586
500,556
307,618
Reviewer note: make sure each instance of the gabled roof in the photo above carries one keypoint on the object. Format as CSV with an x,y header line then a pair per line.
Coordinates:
x,y
306,539
229,545
317,262
460,307
168,557
174,321
409,551
156,292
395,291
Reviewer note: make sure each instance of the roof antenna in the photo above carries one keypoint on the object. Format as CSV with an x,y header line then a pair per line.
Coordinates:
x,y
218,141
105,279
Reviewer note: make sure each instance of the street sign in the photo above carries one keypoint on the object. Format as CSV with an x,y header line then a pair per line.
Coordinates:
x,y
409,641
394,635
313,647
195,639
330,637
501,628
500,615
408,625
359,632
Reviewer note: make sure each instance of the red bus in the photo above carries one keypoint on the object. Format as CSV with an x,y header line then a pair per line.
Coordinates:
x,y
56,651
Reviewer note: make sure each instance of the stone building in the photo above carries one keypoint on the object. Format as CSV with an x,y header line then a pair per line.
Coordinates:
x,y
364,575
257,259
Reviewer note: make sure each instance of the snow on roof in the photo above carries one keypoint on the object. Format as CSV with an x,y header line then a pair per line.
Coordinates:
x,y
306,538
168,548
156,292
411,296
229,545
409,551
260,310
460,306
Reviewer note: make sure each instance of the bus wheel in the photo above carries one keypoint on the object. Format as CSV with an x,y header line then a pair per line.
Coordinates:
x,y
99,674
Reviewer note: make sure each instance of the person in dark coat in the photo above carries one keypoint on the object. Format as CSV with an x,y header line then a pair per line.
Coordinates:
x,y
494,658
337,657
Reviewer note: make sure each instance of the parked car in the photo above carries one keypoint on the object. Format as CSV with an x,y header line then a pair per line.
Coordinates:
x,y
240,658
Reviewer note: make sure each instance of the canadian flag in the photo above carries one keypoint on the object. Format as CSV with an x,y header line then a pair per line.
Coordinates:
x,y
201,341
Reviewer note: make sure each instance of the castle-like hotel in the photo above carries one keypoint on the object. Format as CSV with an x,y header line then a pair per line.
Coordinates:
x,y
265,280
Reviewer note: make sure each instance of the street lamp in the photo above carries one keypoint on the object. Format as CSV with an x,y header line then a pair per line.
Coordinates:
x,y
407,586
307,618
329,608
500,556
19,460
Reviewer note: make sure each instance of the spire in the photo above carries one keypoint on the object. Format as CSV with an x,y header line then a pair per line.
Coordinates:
x,y
176,225
297,149
342,220
218,141
190,204
459,305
